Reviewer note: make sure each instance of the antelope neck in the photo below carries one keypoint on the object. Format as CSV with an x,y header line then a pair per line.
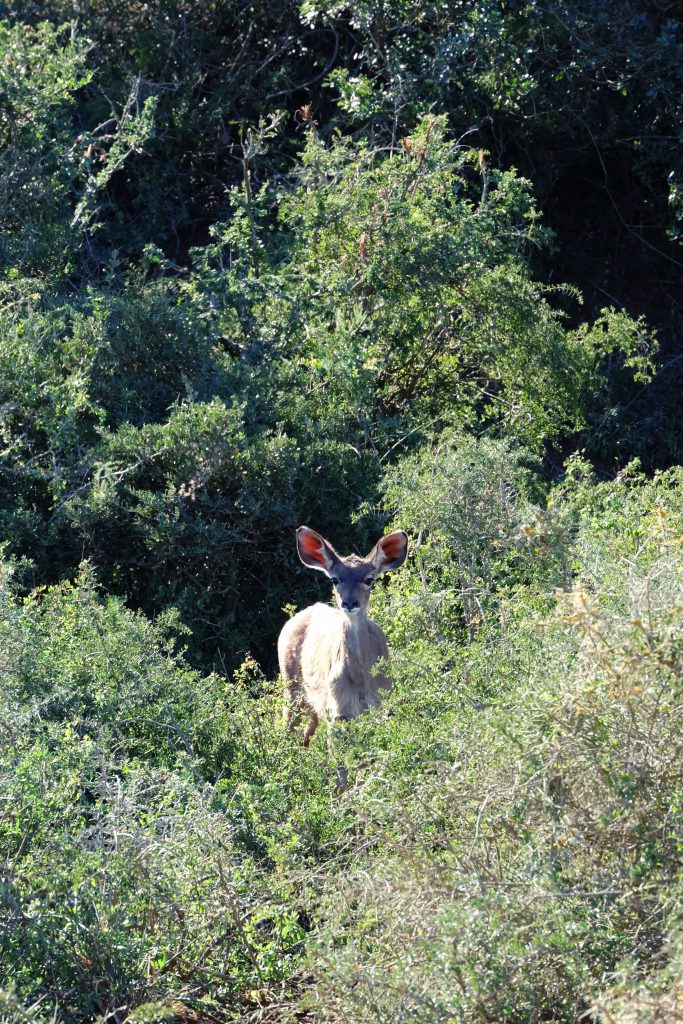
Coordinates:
x,y
356,622
355,646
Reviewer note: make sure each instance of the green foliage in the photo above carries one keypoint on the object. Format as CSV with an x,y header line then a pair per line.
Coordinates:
x,y
13,1011
273,264
127,875
176,428
129,134
41,71
464,502
74,659
509,839
425,312
186,512
420,273
530,841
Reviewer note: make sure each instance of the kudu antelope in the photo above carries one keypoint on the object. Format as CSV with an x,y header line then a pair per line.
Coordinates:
x,y
327,654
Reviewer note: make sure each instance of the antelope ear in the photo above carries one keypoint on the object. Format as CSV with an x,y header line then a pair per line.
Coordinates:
x,y
314,551
390,552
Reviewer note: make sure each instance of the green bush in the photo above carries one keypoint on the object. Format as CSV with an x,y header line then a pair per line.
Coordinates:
x,y
147,818
424,301
177,430
524,846
509,838
267,265
41,71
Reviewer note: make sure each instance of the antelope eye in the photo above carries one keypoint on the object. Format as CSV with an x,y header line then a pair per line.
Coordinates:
x,y
369,581
335,580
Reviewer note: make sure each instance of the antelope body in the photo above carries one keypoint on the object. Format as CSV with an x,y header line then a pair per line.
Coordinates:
x,y
327,654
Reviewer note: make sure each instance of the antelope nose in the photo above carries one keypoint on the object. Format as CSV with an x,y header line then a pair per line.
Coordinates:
x,y
350,606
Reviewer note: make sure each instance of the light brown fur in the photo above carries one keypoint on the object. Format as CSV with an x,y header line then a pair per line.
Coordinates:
x,y
327,654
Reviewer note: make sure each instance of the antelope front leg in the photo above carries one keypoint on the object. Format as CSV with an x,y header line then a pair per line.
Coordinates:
x,y
310,728
341,774
294,708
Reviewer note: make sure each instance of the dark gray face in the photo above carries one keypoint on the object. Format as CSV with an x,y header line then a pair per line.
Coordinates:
x,y
352,579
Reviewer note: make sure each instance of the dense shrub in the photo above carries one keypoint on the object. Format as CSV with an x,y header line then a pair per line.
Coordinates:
x,y
509,840
529,840
41,71
419,267
272,264
177,429
135,865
